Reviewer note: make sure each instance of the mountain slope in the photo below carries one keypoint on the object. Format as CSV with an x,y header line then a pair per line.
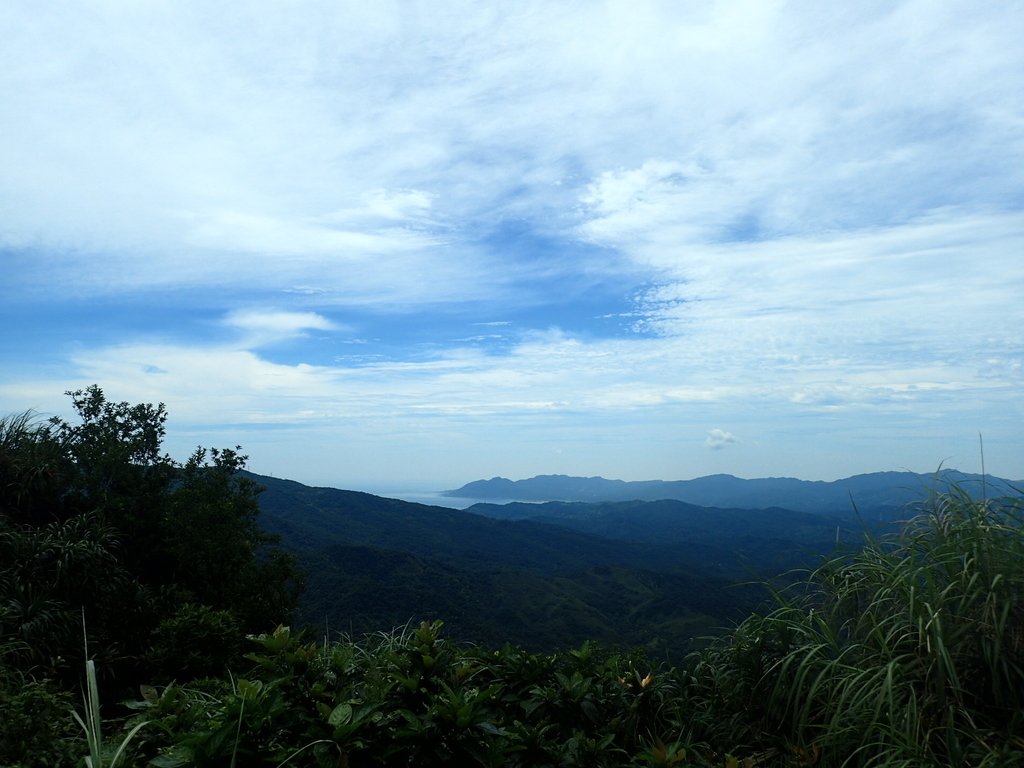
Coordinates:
x,y
313,518
547,575
373,563
731,542
358,590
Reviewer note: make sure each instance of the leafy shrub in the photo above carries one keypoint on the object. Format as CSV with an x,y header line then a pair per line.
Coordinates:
x,y
197,641
36,729
413,698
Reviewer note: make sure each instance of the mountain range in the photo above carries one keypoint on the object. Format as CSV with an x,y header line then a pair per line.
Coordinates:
x,y
877,490
655,573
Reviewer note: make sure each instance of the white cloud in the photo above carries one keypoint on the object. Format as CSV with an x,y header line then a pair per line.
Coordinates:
x,y
391,132
267,326
719,438
860,301
218,384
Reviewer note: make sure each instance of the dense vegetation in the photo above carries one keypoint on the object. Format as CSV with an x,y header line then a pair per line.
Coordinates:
x,y
906,652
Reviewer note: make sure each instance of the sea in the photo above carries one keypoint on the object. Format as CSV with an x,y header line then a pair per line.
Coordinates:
x,y
433,498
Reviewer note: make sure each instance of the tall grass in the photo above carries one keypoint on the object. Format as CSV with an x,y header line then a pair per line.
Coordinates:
x,y
908,652
92,724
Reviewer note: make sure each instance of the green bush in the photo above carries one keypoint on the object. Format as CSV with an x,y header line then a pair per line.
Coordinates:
x,y
36,729
197,641
413,698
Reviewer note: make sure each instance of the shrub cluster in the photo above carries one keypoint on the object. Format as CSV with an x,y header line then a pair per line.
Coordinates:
x,y
414,698
98,526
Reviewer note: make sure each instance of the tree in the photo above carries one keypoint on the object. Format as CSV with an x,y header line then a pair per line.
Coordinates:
x,y
95,519
221,556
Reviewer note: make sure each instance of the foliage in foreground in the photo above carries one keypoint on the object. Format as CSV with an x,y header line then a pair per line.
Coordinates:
x,y
908,652
413,698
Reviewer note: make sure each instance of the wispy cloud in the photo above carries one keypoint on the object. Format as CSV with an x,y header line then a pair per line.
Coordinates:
x,y
266,326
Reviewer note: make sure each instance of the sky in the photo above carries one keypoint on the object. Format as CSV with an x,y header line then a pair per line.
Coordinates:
x,y
415,244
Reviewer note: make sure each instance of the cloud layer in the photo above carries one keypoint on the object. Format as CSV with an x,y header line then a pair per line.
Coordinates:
x,y
394,242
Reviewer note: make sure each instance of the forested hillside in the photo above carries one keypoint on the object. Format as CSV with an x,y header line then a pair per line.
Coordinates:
x,y
373,563
546,576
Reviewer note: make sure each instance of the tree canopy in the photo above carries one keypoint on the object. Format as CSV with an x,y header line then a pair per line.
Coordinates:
x,y
99,525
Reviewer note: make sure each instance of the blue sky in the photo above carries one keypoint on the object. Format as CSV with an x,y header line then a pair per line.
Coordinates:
x,y
409,245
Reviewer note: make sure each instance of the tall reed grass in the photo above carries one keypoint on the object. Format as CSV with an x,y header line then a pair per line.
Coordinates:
x,y
909,652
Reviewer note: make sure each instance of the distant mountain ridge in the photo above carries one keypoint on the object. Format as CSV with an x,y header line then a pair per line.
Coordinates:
x,y
875,490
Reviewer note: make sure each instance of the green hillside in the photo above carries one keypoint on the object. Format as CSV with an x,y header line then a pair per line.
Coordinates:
x,y
373,563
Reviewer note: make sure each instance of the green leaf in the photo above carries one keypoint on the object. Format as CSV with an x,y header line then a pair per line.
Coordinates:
x,y
492,729
341,715
172,760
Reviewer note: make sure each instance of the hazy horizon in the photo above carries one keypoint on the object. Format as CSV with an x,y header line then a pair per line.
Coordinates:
x,y
428,494
423,244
